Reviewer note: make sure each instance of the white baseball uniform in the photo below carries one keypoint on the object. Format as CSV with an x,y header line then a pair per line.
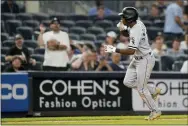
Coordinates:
x,y
140,68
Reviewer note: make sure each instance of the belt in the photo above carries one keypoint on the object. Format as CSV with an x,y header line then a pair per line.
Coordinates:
x,y
141,57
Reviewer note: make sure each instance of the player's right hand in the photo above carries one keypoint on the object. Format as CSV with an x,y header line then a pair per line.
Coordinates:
x,y
121,26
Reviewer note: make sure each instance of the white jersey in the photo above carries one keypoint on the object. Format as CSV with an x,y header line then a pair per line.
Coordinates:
x,y
139,39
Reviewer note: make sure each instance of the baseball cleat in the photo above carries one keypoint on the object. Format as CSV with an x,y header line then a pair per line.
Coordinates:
x,y
153,115
157,92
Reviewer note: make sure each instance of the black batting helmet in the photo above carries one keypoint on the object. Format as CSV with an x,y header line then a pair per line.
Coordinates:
x,y
129,13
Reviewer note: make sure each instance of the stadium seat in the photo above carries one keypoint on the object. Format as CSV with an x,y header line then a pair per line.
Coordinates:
x,y
147,23
40,16
77,30
37,57
92,17
156,66
40,51
3,58
26,32
8,43
4,50
37,67
112,17
88,37
177,65
153,32
8,16
67,23
46,23
31,51
182,57
84,23
101,37
74,36
166,62
104,23
185,51
3,29
11,26
4,36
159,24
115,29
65,29
77,17
24,16
30,44
95,30
31,23
59,16
144,16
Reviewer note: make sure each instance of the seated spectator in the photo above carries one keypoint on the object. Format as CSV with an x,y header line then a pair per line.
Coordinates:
x,y
116,65
184,44
161,6
102,53
94,10
173,27
72,55
9,6
111,38
154,13
16,65
175,51
19,50
103,65
158,49
100,13
184,68
123,42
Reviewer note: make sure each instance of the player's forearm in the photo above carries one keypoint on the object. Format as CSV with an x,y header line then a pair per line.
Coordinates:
x,y
125,51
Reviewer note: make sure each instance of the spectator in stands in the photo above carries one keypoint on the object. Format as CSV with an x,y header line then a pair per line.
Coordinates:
x,y
116,65
102,53
184,68
100,13
95,10
184,44
19,50
111,38
161,6
158,49
175,51
16,65
57,45
173,20
9,6
154,14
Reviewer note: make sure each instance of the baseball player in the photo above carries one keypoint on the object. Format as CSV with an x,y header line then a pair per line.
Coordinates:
x,y
143,60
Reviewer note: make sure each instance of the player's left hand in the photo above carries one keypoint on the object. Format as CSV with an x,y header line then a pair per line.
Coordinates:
x,y
109,48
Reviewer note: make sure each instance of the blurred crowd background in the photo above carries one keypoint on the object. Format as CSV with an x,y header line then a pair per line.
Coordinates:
x,y
90,24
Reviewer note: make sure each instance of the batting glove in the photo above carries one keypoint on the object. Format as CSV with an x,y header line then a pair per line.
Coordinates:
x,y
109,48
121,26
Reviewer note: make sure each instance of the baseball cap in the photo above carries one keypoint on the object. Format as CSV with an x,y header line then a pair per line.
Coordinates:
x,y
55,19
18,36
112,34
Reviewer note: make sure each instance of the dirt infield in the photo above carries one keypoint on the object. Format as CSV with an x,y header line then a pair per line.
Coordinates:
x,y
87,120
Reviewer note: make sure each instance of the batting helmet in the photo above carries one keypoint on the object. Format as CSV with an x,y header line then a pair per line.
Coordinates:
x,y
129,13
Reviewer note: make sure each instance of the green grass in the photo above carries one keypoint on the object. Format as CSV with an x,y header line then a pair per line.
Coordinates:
x,y
164,119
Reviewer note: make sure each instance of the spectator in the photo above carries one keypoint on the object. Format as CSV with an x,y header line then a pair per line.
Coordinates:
x,y
19,50
103,65
175,51
184,68
16,65
102,53
158,50
57,45
173,20
94,10
72,55
9,6
154,14
116,65
111,38
100,13
161,6
184,44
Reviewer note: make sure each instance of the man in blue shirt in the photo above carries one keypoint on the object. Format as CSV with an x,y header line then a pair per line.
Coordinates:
x,y
173,20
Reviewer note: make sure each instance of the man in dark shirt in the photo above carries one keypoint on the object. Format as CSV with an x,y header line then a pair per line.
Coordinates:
x,y
9,7
16,65
20,51
116,65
